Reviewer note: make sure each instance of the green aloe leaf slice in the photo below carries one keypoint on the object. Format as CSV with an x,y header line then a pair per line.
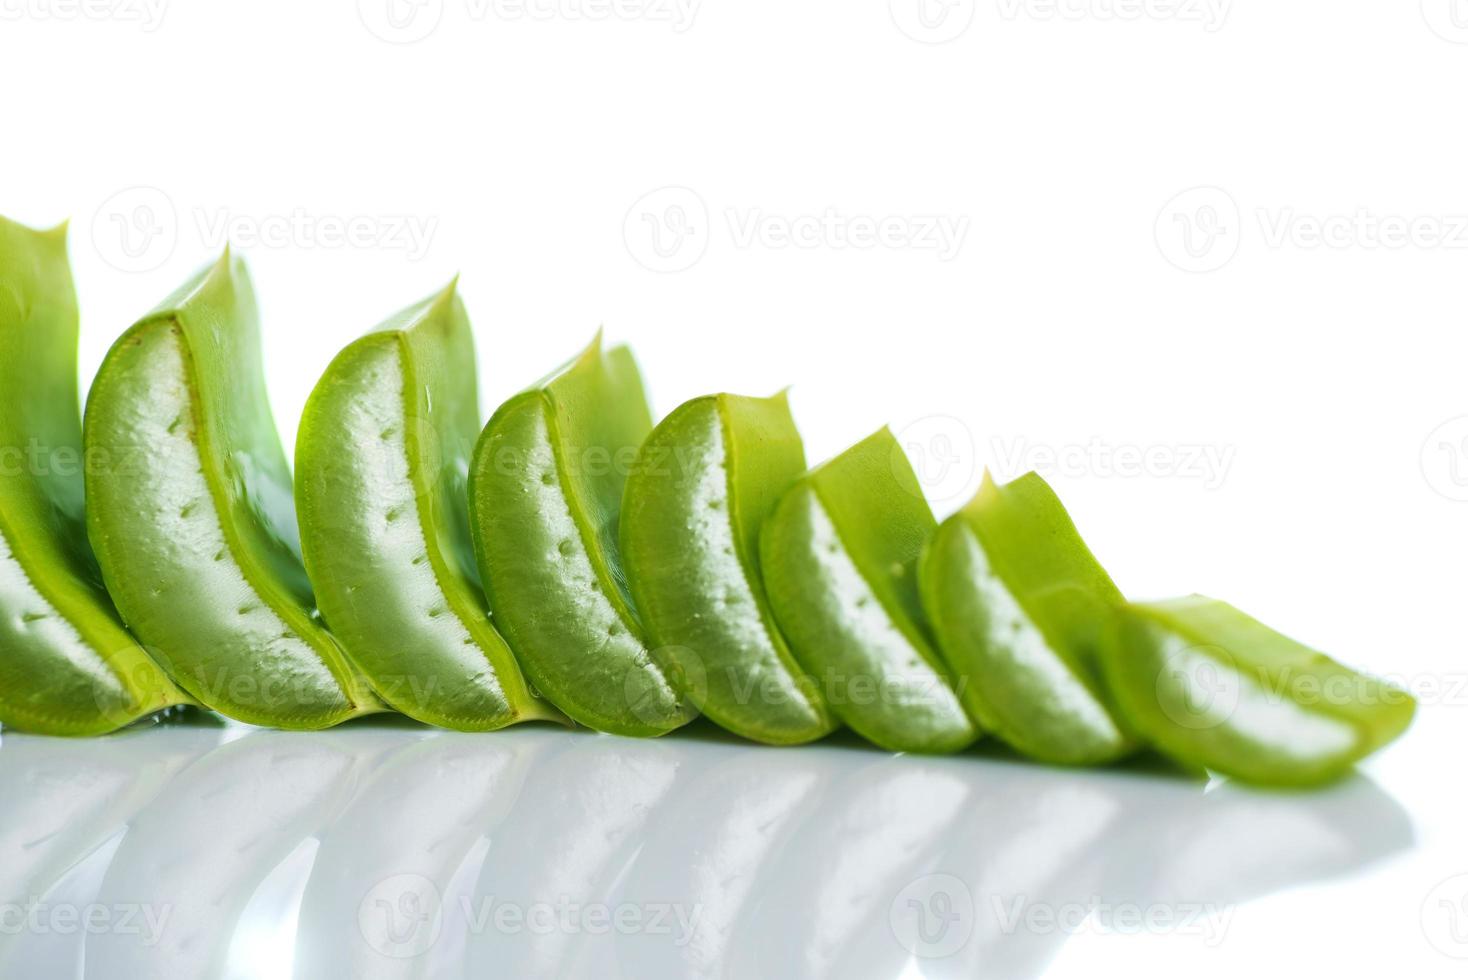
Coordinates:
x,y
67,664
1020,607
193,517
382,464
545,493
840,555
697,496
1213,687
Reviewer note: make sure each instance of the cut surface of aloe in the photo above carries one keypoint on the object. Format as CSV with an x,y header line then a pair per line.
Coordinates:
x,y
1214,687
699,491
193,518
545,493
67,664
382,464
1020,606
840,553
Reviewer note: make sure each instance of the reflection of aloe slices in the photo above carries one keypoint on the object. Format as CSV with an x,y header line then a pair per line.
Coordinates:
x,y
401,841
1019,606
1213,687
1038,843
199,852
582,817
195,528
64,801
712,857
381,471
1233,844
840,555
701,487
545,494
876,832
68,665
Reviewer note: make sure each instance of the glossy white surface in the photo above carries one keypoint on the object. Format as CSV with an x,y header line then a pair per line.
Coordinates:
x,y
388,850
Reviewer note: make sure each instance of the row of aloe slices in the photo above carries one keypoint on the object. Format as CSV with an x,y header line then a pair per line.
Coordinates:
x,y
572,562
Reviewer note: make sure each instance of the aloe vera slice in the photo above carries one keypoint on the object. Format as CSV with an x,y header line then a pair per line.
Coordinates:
x,y
840,554
699,491
1020,605
1213,687
382,465
193,518
545,492
67,664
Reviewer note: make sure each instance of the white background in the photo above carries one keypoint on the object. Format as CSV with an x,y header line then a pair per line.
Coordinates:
x,y
1087,310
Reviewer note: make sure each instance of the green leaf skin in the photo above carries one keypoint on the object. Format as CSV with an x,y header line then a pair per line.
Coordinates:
x,y
1211,686
382,463
545,493
840,555
697,496
67,665
1020,606
193,517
